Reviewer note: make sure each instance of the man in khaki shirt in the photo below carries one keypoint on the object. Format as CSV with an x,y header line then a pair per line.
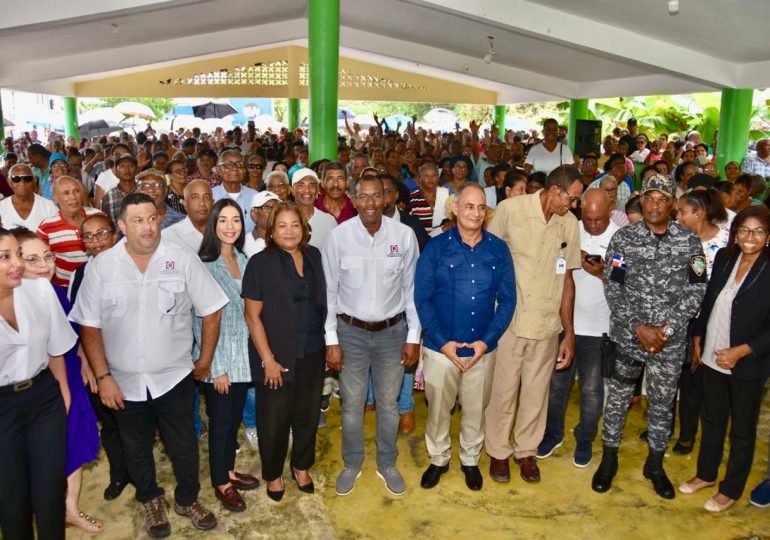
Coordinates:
x,y
544,240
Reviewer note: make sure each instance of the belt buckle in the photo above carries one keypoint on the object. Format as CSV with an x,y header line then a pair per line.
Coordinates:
x,y
19,387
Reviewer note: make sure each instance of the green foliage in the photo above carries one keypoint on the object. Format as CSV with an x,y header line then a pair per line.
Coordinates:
x,y
160,106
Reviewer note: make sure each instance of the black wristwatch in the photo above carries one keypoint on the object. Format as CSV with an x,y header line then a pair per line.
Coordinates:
x,y
104,376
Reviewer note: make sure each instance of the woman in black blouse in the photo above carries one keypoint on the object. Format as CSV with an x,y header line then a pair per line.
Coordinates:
x,y
285,297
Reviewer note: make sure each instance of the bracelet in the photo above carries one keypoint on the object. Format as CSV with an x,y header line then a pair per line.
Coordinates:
x,y
101,377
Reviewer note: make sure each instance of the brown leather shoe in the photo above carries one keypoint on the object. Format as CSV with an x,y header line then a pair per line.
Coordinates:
x,y
499,470
231,499
528,469
406,423
244,481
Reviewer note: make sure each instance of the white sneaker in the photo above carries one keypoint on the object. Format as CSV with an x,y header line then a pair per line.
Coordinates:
x,y
252,439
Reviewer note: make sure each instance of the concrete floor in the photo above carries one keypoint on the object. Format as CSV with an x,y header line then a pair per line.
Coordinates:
x,y
561,506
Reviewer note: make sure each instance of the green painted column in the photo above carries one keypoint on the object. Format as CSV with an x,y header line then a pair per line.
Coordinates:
x,y
578,110
500,111
734,120
294,119
324,51
71,117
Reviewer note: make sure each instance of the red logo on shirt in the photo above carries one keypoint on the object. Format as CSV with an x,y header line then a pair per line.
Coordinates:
x,y
170,265
394,248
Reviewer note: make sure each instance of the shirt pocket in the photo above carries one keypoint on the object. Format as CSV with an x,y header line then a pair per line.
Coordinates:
x,y
392,270
113,301
171,296
352,272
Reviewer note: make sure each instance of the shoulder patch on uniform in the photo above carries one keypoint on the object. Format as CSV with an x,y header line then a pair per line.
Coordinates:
x,y
697,269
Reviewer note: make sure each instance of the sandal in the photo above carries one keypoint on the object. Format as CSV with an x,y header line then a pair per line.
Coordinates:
x,y
85,522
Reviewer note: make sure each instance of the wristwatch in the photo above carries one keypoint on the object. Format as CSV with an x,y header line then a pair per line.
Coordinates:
x,y
668,331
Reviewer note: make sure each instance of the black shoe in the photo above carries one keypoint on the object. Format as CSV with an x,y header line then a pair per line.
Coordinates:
x,y
325,402
114,490
608,468
473,478
306,488
275,495
432,475
653,471
679,448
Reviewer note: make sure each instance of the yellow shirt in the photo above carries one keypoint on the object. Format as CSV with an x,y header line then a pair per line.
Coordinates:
x,y
536,247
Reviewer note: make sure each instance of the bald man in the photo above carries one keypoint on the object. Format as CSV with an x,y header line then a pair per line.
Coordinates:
x,y
592,319
62,230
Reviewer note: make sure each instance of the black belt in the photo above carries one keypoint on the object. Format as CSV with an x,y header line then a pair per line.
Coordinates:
x,y
370,326
15,388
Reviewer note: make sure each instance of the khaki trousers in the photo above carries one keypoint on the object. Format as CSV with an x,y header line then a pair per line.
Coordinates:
x,y
444,382
519,395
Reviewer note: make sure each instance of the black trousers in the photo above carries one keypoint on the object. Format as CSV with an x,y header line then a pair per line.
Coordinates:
x,y
225,412
173,414
726,398
110,439
33,446
295,405
690,402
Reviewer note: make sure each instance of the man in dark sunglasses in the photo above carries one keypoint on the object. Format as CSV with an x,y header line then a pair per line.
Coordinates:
x,y
24,208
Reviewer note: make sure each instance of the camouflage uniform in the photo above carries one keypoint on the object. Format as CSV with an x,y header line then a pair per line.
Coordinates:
x,y
653,281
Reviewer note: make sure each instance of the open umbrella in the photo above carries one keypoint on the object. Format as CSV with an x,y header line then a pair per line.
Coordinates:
x,y
107,114
212,109
394,119
7,123
134,108
97,128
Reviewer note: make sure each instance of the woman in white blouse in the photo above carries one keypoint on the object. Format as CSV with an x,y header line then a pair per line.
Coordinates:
x,y
34,399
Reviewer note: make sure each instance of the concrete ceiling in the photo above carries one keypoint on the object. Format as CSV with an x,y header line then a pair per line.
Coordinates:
x,y
545,49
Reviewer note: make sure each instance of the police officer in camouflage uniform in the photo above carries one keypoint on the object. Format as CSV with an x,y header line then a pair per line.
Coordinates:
x,y
654,281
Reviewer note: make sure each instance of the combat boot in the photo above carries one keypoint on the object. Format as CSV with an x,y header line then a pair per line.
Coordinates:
x,y
608,468
653,471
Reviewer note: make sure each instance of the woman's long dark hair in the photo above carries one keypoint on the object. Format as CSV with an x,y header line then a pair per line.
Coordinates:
x,y
211,247
709,201
758,212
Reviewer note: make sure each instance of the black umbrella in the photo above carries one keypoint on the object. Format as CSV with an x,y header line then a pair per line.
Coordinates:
x,y
97,128
213,110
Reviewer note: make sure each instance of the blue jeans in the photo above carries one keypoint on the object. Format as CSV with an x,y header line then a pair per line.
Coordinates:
x,y
380,353
588,363
405,399
250,409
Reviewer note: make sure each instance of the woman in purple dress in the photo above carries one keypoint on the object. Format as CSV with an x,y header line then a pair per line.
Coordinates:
x,y
82,432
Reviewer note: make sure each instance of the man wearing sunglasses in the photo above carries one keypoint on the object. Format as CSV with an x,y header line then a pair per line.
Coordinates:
x,y
24,208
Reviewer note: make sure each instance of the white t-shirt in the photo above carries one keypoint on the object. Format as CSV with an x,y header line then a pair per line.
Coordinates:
x,y
638,156
321,224
107,180
41,209
592,314
252,245
43,330
544,161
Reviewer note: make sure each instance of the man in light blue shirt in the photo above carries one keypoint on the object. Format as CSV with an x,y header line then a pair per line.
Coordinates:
x,y
232,171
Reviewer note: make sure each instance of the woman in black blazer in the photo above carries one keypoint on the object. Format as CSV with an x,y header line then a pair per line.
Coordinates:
x,y
285,298
732,342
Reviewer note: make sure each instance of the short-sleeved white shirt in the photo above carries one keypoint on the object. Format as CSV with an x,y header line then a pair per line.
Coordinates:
x,y
43,331
146,319
183,234
41,209
592,314
321,224
544,161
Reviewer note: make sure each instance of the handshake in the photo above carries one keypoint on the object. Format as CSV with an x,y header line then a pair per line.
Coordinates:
x,y
466,363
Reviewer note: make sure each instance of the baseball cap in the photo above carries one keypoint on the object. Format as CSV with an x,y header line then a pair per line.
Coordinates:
x,y
56,156
151,172
117,159
262,197
294,168
631,122
302,174
659,182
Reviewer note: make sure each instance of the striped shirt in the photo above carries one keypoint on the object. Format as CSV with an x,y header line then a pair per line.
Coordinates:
x,y
66,244
429,216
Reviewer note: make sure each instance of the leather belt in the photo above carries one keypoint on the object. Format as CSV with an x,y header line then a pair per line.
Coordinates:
x,y
371,326
22,385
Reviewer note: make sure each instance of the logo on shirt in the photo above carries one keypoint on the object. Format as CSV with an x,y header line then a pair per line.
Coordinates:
x,y
393,251
170,266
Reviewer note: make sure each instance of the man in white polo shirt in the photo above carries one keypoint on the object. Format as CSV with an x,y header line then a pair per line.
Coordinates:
x,y
198,202
135,310
592,319
304,187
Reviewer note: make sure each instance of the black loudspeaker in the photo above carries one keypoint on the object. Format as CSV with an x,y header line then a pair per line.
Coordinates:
x,y
588,137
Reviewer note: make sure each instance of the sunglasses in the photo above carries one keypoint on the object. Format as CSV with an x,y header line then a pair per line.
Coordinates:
x,y
28,178
255,166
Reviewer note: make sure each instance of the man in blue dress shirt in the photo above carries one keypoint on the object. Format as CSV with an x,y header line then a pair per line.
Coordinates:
x,y
465,295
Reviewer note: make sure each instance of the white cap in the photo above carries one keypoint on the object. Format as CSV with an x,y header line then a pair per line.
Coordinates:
x,y
303,173
262,197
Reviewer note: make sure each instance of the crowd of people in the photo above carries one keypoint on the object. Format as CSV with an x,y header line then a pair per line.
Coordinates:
x,y
145,278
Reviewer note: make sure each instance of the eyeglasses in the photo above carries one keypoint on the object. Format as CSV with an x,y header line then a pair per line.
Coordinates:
x,y
37,260
231,165
365,197
150,185
28,178
255,166
572,200
101,234
273,187
745,232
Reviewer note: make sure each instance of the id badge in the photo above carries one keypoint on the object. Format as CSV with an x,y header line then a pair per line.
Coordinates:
x,y
561,266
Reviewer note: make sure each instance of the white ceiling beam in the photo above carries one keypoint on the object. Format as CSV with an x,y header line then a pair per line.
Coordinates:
x,y
56,12
420,56
644,85
582,33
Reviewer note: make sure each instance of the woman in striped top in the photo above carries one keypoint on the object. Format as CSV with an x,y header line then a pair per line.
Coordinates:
x,y
427,202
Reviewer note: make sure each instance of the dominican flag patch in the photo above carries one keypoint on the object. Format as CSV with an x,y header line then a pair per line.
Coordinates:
x,y
618,261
